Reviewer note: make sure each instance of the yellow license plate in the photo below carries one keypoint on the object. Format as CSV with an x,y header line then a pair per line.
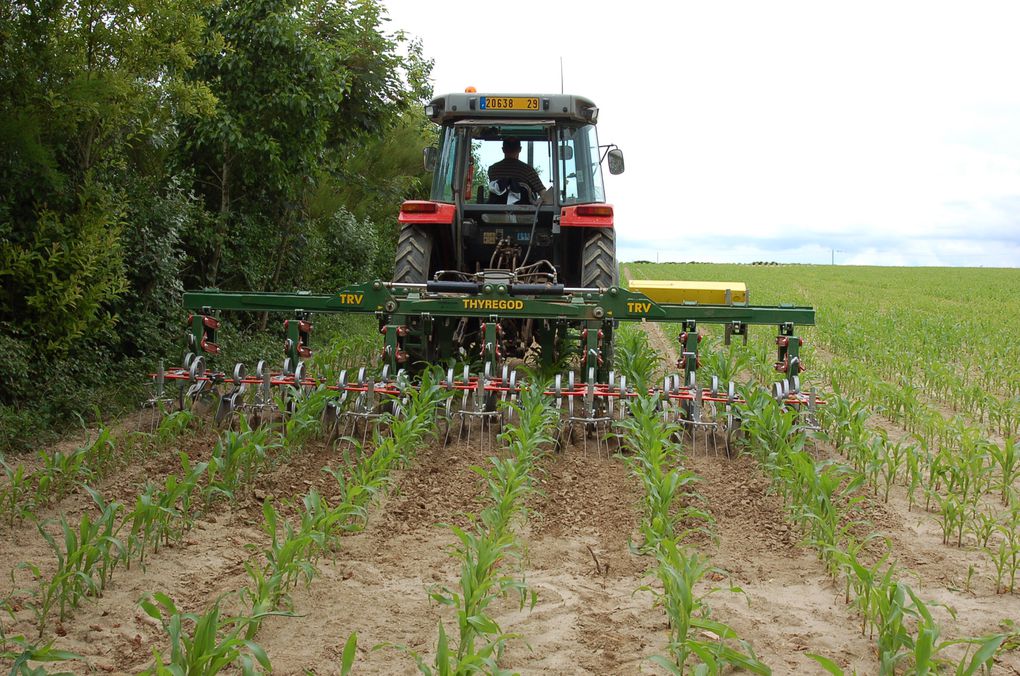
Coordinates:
x,y
508,103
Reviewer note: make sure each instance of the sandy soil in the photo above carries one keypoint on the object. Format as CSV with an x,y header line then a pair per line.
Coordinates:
x,y
589,617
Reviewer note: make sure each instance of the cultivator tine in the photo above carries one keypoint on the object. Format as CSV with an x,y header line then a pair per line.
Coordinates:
x,y
713,415
811,415
201,387
263,408
331,412
363,408
159,402
233,401
805,404
330,421
508,394
622,403
299,391
447,405
558,397
732,421
589,409
477,404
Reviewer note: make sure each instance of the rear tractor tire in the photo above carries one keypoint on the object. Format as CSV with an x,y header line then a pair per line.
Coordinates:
x,y
598,269
598,259
414,255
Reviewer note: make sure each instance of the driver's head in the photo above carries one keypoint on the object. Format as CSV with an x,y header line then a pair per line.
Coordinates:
x,y
511,147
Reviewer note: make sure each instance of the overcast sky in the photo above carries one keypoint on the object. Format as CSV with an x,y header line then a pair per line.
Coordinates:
x,y
886,131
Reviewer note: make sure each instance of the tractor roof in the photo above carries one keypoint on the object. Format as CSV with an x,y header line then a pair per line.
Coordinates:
x,y
451,107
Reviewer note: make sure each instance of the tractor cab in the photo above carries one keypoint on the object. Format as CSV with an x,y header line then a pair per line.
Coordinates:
x,y
517,187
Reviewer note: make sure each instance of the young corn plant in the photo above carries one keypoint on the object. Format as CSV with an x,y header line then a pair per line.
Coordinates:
x,y
237,458
202,644
163,515
724,362
86,558
303,423
59,473
172,425
1007,461
20,652
656,464
926,646
16,493
489,545
636,359
289,559
482,580
690,624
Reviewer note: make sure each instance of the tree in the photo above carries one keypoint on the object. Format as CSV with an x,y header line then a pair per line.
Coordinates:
x,y
83,88
301,86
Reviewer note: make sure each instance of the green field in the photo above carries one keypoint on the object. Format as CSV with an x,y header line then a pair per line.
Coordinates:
x,y
883,540
950,331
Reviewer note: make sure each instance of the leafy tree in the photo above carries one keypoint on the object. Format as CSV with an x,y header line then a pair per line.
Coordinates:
x,y
300,86
88,94
158,146
83,86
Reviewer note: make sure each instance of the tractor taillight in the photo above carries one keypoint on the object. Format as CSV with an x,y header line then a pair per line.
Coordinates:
x,y
587,216
419,207
426,212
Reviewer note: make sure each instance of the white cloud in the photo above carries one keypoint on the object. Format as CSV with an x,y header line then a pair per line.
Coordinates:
x,y
776,129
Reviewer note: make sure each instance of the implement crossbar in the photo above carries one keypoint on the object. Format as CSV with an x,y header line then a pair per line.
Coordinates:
x,y
613,303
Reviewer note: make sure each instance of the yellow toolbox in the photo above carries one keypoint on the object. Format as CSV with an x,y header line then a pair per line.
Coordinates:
x,y
705,293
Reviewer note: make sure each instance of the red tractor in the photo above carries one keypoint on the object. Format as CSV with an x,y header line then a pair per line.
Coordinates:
x,y
517,200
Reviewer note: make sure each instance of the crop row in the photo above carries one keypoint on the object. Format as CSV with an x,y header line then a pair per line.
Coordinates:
x,y
91,550
950,466
488,547
669,516
24,492
819,496
293,550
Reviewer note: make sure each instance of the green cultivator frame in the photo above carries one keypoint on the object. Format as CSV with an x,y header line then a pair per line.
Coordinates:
x,y
419,324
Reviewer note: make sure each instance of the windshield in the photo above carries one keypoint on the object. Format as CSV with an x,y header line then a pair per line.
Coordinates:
x,y
573,167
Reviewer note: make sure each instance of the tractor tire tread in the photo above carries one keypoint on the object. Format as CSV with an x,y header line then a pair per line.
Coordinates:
x,y
413,255
598,259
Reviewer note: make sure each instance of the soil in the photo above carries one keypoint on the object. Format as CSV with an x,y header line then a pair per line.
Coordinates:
x,y
590,615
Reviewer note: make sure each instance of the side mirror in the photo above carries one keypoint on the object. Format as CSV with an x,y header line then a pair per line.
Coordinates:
x,y
566,152
615,161
430,155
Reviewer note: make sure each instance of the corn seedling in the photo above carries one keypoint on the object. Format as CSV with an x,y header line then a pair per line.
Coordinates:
x,y
689,621
1008,464
486,546
20,652
666,483
59,473
237,458
14,494
163,515
86,558
202,645
636,359
173,425
289,558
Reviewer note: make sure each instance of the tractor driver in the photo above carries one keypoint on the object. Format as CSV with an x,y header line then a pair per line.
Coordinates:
x,y
512,167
